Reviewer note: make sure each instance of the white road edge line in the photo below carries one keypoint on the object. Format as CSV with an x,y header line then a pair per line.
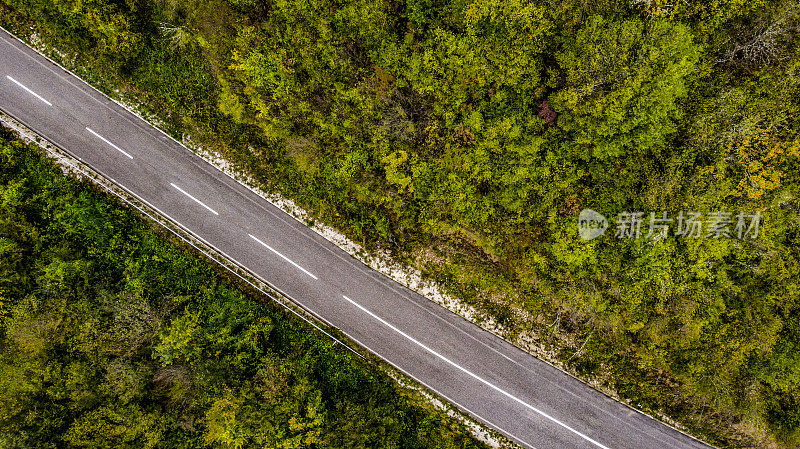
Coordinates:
x,y
283,257
106,141
476,377
28,90
195,199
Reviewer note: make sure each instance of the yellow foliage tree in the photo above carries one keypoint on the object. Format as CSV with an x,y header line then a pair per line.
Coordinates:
x,y
761,158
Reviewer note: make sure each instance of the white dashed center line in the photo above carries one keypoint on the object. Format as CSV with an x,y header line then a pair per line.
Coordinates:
x,y
28,90
282,256
109,143
195,199
475,376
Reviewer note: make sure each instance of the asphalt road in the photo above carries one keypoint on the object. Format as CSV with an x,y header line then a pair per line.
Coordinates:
x,y
528,400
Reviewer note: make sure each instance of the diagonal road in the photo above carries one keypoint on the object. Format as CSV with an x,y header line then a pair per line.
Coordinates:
x,y
529,401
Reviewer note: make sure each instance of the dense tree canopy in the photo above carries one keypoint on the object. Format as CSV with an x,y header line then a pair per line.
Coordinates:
x,y
623,80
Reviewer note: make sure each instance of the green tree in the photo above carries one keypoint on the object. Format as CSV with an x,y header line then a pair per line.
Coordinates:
x,y
623,82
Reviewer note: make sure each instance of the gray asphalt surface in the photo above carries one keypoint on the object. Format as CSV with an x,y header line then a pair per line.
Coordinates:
x,y
528,400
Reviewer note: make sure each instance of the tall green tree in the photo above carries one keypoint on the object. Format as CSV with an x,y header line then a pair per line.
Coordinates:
x,y
623,83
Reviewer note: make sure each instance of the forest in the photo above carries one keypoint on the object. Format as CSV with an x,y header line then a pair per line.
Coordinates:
x,y
111,336
465,137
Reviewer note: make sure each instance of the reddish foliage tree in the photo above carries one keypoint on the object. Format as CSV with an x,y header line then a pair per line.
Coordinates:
x,y
546,113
